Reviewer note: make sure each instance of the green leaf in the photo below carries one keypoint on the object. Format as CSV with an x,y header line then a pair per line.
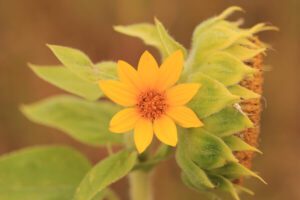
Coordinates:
x,y
206,25
235,170
162,153
243,92
225,68
169,44
194,174
85,121
105,173
106,194
146,32
237,144
106,70
240,189
212,96
227,122
153,35
187,181
41,173
66,80
206,150
243,51
80,64
225,185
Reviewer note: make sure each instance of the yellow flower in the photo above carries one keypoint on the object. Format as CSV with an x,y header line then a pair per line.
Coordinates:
x,y
153,103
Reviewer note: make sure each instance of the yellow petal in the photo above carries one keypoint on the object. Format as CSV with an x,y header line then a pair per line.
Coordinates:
x,y
181,94
124,120
165,130
170,70
148,70
143,134
119,92
184,116
127,74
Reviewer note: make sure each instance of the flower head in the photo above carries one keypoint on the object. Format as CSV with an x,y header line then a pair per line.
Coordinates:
x,y
153,102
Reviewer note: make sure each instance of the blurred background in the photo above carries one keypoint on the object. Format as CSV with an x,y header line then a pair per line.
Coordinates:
x,y
26,26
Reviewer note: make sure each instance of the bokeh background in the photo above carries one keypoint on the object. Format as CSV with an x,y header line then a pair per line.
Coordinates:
x,y
26,26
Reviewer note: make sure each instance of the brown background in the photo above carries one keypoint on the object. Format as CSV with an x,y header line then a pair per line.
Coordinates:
x,y
26,26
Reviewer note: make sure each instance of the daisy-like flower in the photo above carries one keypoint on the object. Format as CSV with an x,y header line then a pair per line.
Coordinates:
x,y
153,102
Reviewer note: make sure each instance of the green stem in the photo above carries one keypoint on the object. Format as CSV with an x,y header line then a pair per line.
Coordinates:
x,y
140,185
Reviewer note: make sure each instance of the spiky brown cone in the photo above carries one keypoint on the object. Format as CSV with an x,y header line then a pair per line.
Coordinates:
x,y
253,109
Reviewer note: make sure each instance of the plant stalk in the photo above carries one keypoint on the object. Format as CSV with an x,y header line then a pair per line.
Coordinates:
x,y
140,185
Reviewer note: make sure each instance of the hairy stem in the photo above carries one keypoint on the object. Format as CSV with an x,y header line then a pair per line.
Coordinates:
x,y
140,185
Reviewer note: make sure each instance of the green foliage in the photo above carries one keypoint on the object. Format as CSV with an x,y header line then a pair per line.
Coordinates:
x,y
105,173
225,68
206,150
169,44
85,121
144,31
41,173
237,144
212,96
193,175
235,170
205,155
80,64
66,80
153,35
227,122
243,92
245,50
225,185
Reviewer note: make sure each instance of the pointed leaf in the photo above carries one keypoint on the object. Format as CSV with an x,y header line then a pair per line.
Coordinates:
x,y
225,68
41,173
80,64
195,175
146,32
244,52
237,144
66,80
169,44
205,149
235,170
225,185
105,173
212,96
227,122
85,121
241,189
243,92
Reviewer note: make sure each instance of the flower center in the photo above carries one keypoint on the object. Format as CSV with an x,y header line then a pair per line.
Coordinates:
x,y
152,104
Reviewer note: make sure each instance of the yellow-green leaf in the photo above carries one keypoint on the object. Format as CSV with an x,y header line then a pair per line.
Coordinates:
x,y
205,149
66,80
225,68
227,122
84,121
193,173
243,92
105,173
212,96
225,185
146,32
80,64
41,173
237,144
169,44
236,170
